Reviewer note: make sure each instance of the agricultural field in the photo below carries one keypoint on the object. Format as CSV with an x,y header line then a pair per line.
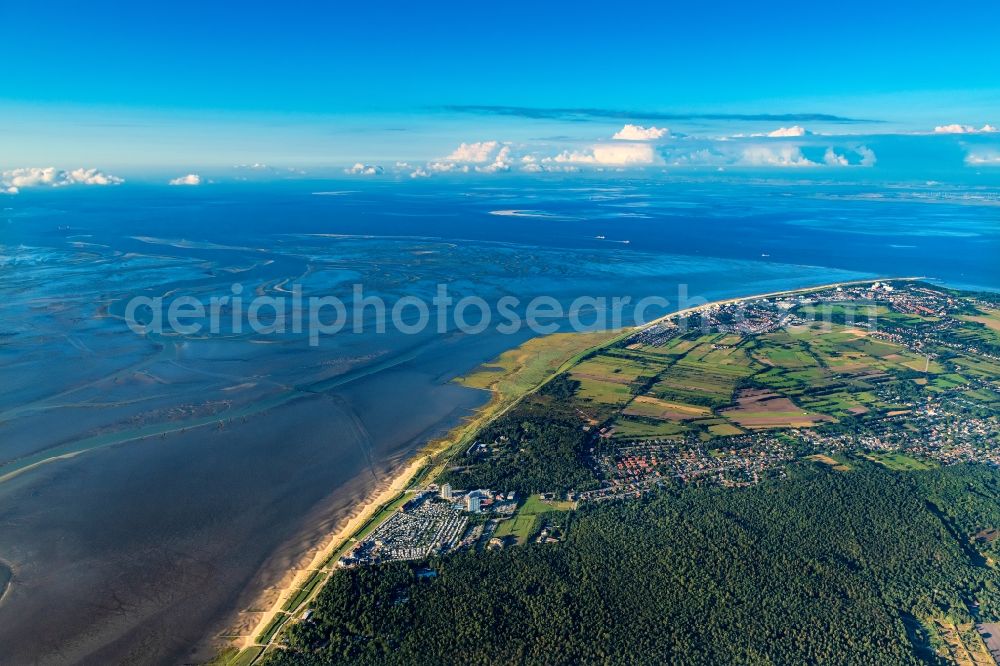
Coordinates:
x,y
707,375
698,382
984,328
663,410
631,428
756,408
978,366
722,385
608,379
724,429
838,463
988,318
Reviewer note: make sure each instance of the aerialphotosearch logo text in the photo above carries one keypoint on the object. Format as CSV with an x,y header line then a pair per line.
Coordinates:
x,y
316,316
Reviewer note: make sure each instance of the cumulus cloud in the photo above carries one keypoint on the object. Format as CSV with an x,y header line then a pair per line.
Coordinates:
x,y
640,133
768,154
189,179
500,163
964,129
780,133
529,164
93,177
780,156
833,158
420,172
360,169
794,130
867,156
633,154
445,167
477,152
13,180
700,157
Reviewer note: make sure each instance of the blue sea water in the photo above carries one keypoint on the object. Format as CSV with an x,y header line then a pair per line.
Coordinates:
x,y
192,472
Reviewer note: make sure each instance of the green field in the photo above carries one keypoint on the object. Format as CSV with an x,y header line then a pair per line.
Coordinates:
x,y
724,430
523,368
527,521
626,427
900,463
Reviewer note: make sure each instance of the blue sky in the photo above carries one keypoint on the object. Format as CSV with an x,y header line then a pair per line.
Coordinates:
x,y
150,87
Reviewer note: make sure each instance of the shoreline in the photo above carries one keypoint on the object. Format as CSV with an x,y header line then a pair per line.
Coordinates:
x,y
6,579
382,495
425,461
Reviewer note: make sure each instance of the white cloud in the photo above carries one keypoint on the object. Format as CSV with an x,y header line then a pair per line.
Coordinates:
x,y
867,155
92,177
964,129
529,164
13,180
702,157
445,167
190,179
833,158
632,154
783,156
640,133
420,172
500,163
477,152
722,154
988,158
360,169
780,133
794,130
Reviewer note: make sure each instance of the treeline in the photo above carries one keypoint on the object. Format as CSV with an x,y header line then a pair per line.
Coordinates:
x,y
822,567
531,453
538,446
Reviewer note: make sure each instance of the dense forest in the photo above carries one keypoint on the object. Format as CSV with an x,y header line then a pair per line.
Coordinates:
x,y
538,446
826,566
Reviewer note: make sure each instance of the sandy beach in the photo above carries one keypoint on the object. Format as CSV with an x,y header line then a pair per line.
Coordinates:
x,y
384,493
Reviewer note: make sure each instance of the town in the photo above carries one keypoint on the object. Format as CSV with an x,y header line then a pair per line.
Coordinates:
x,y
434,521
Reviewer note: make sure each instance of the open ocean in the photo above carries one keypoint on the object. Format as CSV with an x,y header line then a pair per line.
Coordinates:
x,y
198,470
